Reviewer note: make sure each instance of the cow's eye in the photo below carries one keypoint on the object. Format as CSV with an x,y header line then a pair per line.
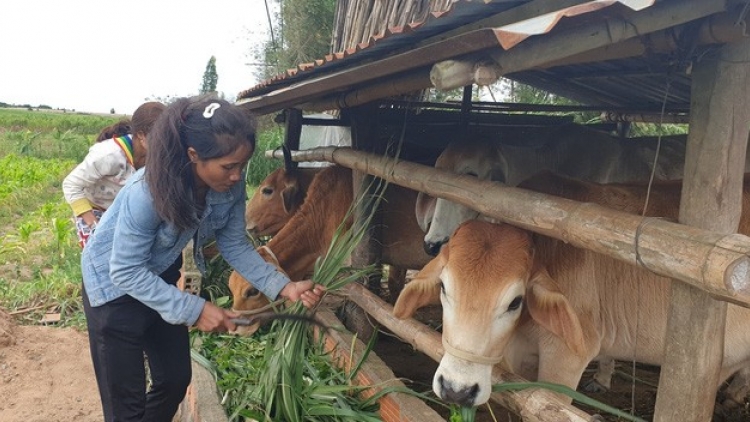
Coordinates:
x,y
267,191
251,292
515,303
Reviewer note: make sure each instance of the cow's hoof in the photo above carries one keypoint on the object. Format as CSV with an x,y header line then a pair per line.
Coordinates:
x,y
593,386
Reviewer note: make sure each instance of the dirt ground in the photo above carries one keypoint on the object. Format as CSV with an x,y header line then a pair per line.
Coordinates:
x,y
45,375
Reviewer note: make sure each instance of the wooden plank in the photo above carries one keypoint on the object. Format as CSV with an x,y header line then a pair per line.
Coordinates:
x,y
711,199
714,262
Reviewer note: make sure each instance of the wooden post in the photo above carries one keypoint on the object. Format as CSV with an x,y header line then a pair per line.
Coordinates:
x,y
293,132
364,132
711,199
364,138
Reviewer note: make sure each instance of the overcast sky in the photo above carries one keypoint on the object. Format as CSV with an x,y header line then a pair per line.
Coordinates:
x,y
95,55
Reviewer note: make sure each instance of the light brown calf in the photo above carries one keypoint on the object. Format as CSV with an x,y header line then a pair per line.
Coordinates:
x,y
548,308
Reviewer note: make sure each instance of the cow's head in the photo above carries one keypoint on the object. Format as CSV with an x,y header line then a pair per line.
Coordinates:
x,y
439,217
277,198
247,298
485,279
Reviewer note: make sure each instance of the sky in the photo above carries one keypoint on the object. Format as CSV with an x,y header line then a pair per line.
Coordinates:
x,y
96,55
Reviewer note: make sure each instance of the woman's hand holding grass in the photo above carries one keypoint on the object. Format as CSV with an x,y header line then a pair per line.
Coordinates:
x,y
305,290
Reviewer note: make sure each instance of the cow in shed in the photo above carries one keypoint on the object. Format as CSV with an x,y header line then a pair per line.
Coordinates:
x,y
570,150
548,308
277,199
309,232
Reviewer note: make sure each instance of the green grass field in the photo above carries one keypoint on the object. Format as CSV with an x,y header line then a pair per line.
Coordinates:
x,y
39,255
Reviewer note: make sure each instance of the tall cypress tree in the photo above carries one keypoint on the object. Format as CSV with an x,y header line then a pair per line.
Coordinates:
x,y
210,77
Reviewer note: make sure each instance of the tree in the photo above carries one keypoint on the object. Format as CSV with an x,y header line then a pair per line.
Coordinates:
x,y
302,33
210,77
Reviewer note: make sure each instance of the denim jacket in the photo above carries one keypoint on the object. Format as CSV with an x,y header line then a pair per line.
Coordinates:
x,y
132,245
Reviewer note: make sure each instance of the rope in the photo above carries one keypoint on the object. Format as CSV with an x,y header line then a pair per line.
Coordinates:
x,y
470,357
271,305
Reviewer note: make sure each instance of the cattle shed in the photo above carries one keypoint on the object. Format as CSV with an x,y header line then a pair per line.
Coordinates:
x,y
631,60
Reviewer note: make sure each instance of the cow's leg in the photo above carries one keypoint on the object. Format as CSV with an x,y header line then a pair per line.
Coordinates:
x,y
737,390
561,367
602,380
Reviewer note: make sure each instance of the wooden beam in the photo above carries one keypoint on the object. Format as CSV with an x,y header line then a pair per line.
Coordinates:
x,y
713,262
537,51
711,199
715,29
536,405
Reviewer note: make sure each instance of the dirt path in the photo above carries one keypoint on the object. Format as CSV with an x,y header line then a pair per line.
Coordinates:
x,y
45,375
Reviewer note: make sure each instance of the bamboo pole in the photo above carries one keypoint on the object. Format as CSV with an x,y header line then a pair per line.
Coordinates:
x,y
715,263
533,404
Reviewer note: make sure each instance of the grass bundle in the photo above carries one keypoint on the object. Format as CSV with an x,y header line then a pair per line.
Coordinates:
x,y
283,390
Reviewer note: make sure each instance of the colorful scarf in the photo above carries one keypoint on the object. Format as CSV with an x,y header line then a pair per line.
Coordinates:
x,y
126,143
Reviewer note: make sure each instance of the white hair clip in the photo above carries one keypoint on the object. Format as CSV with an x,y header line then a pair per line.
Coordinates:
x,y
209,111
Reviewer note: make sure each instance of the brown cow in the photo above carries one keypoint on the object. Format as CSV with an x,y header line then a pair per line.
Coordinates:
x,y
248,299
309,232
276,200
548,308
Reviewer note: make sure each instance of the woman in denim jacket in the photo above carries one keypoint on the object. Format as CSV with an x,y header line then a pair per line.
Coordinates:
x,y
190,188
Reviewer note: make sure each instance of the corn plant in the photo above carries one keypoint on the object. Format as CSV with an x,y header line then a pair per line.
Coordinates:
x,y
61,230
26,229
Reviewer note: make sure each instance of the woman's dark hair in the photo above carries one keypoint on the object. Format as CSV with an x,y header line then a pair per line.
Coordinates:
x,y
145,116
190,122
120,128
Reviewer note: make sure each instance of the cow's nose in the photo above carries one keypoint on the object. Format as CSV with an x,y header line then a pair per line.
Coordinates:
x,y
464,397
433,248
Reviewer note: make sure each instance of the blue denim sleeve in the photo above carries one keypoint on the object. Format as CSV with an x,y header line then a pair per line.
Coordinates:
x,y
240,254
134,238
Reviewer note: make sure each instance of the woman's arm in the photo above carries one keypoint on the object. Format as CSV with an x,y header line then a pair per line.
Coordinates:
x,y
134,238
239,253
236,249
97,165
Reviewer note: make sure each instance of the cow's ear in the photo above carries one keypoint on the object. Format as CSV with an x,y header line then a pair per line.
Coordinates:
x,y
289,196
422,290
424,209
550,308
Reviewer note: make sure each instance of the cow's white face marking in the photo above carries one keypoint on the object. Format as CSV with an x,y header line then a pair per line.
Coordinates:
x,y
479,160
489,309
